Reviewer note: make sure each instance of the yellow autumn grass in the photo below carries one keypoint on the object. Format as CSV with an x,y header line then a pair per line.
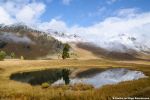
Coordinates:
x,y
13,90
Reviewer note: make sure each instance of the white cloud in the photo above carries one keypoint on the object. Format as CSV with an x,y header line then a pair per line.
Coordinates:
x,y
66,2
109,30
30,13
54,24
21,11
13,6
111,27
5,17
129,12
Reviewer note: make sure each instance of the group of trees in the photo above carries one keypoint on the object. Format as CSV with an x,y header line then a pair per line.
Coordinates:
x,y
3,55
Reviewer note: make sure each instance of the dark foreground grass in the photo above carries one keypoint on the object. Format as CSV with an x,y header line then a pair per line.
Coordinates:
x,y
138,88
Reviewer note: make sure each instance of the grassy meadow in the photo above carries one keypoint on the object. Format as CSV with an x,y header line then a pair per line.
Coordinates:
x,y
14,90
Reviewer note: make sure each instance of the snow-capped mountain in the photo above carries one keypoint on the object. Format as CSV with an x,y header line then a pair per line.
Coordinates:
x,y
63,37
32,38
123,43
126,42
122,46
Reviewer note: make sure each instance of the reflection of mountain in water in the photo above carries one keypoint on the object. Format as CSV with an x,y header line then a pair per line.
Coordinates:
x,y
110,76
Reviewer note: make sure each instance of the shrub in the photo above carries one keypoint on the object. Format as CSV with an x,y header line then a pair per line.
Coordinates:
x,y
2,55
45,85
22,58
12,55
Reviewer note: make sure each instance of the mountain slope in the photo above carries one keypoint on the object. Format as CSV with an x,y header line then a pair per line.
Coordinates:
x,y
32,44
82,53
27,42
102,53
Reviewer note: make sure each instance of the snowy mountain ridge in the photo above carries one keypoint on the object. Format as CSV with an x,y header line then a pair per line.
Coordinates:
x,y
121,42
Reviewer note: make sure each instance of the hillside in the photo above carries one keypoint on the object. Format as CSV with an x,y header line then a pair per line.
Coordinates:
x,y
97,52
27,42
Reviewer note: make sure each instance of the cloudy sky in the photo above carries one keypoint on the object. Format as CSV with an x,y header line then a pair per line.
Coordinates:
x,y
91,19
71,12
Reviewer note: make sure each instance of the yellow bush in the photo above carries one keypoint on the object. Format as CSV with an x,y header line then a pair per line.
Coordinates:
x,y
45,85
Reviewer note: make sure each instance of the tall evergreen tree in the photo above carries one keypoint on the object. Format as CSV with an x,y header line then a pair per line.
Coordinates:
x,y
65,53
